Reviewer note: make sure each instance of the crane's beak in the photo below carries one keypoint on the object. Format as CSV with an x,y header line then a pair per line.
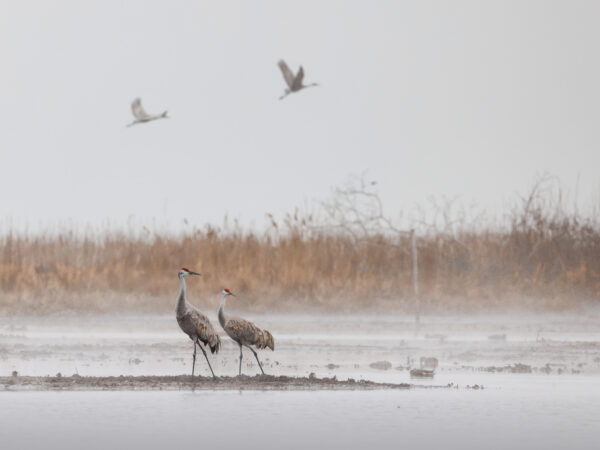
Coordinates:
x,y
231,293
195,273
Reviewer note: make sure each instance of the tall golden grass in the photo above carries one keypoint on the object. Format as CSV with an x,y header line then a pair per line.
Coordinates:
x,y
542,259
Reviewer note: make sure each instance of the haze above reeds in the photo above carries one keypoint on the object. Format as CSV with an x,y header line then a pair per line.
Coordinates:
x,y
347,256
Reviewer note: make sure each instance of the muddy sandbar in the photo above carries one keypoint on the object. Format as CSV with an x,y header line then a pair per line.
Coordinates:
x,y
186,382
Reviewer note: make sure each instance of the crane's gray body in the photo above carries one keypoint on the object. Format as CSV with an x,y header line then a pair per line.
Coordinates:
x,y
246,333
197,326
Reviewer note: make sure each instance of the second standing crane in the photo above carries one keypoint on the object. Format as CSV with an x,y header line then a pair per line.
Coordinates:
x,y
243,332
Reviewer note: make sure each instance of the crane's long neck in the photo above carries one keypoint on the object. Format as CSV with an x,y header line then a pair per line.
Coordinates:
x,y
180,308
222,317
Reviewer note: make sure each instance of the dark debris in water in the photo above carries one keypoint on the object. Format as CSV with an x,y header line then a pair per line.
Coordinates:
x,y
422,373
515,368
381,365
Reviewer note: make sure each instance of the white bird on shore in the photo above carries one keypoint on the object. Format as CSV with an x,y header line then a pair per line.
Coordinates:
x,y
141,115
243,332
195,324
294,82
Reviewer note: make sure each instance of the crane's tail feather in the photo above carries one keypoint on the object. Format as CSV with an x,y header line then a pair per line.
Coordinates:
x,y
214,343
265,339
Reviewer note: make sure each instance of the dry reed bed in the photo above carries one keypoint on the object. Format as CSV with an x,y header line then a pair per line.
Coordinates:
x,y
540,261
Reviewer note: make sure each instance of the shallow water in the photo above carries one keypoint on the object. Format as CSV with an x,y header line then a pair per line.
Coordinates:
x,y
553,416
326,345
557,405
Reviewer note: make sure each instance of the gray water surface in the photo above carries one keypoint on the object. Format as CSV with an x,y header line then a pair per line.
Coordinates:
x,y
551,416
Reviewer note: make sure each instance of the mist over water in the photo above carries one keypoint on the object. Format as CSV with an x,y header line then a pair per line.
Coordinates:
x,y
326,344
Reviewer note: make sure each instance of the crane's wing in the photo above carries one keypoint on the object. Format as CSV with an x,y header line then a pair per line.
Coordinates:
x,y
205,330
288,76
138,110
299,78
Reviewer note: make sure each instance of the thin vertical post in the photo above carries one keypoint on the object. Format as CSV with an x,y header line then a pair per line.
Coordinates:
x,y
415,262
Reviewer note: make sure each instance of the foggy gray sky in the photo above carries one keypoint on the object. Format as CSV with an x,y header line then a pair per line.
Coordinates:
x,y
465,98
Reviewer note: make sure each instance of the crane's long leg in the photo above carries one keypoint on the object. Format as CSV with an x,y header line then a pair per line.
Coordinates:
x,y
240,359
194,363
256,356
203,351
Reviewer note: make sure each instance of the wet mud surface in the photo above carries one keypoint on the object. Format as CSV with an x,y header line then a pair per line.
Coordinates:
x,y
184,382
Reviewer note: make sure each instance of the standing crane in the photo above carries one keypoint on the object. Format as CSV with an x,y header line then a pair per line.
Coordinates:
x,y
294,82
243,332
141,115
195,324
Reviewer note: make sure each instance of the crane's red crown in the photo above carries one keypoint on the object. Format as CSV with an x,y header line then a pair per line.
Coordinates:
x,y
227,290
183,268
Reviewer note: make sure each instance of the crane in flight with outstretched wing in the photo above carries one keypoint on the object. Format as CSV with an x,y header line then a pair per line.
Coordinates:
x,y
141,115
294,82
